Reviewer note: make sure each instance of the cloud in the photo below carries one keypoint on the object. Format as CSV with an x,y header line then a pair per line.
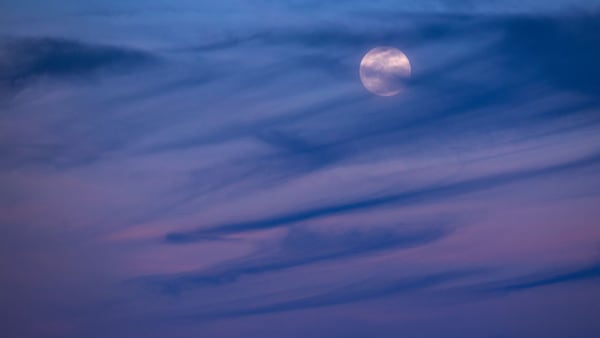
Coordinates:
x,y
589,272
262,129
564,49
351,293
421,195
27,59
301,247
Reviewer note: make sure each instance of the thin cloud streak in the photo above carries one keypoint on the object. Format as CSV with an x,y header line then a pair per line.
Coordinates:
x,y
348,294
422,195
301,247
590,272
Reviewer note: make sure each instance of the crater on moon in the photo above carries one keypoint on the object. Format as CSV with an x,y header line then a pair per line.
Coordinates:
x,y
384,71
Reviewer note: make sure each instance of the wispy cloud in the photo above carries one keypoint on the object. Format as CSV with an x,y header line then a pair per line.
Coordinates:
x,y
302,247
577,274
26,59
424,194
348,294
251,174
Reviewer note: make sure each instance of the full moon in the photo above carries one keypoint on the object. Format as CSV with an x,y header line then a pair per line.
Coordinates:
x,y
384,71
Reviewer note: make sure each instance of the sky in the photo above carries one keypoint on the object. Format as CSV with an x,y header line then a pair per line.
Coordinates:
x,y
216,169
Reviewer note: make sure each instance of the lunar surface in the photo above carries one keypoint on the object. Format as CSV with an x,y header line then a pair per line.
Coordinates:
x,y
384,71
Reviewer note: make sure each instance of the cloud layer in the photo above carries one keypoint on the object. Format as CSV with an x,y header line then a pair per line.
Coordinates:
x,y
192,169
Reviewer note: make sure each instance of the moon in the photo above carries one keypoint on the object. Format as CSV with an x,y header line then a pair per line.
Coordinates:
x,y
384,71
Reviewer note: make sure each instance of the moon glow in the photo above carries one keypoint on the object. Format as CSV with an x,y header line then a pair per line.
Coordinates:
x,y
384,71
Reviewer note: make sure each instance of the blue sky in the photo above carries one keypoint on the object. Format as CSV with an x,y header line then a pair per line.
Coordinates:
x,y
216,169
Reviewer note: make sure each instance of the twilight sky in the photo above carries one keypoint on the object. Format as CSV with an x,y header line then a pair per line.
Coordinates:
x,y
216,169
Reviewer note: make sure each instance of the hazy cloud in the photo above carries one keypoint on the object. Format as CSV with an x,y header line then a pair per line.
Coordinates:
x,y
27,59
251,173
303,247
